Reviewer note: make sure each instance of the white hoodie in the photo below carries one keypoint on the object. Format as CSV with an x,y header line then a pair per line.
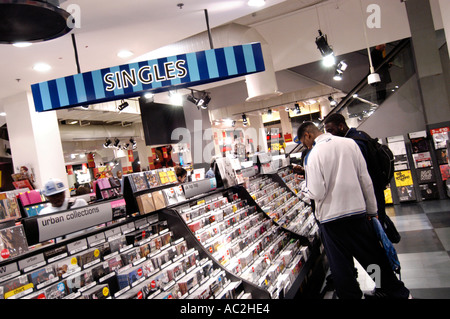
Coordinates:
x,y
337,179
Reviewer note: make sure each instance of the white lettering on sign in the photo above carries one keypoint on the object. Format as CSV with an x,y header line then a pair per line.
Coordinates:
x,y
124,79
56,225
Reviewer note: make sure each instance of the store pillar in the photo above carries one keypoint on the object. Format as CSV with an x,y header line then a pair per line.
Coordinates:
x,y
434,93
34,139
445,13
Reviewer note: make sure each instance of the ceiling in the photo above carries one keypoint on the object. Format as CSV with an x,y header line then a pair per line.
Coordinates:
x,y
107,27
142,26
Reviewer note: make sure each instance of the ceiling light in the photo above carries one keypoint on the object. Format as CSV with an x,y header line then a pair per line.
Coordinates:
x,y
297,109
325,49
73,122
116,142
256,3
2,114
329,60
22,44
175,98
342,66
122,105
355,95
204,100
337,76
107,143
244,119
33,21
124,54
149,96
133,143
287,109
41,67
332,101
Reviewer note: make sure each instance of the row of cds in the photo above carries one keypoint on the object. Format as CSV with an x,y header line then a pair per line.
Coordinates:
x,y
147,262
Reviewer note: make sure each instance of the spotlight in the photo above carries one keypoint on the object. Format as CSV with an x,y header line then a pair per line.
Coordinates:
x,y
122,106
325,49
233,124
342,66
244,119
107,143
116,142
191,98
85,107
204,100
175,98
297,109
332,101
329,60
125,146
337,75
133,143
287,109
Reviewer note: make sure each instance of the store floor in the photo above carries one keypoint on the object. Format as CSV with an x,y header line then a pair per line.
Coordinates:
x,y
424,250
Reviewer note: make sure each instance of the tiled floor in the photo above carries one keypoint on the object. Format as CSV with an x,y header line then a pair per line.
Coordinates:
x,y
424,250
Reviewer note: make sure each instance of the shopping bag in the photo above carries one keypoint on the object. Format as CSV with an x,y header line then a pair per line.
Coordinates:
x,y
389,249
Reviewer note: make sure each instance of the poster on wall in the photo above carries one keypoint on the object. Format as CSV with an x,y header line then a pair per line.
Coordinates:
x,y
445,171
406,193
429,191
426,175
398,148
422,160
440,137
403,178
405,187
442,156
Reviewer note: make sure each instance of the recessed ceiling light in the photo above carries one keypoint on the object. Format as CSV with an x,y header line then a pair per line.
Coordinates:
x,y
73,122
22,44
2,114
256,3
124,54
41,67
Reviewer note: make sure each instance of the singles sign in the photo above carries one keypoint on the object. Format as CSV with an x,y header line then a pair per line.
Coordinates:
x,y
155,76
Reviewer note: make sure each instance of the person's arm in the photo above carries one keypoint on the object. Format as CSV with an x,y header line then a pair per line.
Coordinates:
x,y
366,184
314,187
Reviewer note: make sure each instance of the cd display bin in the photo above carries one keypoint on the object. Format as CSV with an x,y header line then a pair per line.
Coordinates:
x,y
216,243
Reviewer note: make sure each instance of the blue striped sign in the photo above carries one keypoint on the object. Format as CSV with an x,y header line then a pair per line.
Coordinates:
x,y
130,80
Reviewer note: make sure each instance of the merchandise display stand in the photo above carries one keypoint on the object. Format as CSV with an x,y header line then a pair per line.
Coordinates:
x,y
206,242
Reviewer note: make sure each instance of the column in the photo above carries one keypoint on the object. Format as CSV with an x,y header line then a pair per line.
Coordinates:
x,y
34,139
445,13
428,63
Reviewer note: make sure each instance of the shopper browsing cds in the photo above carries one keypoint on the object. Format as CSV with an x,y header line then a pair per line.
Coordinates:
x,y
338,181
54,190
181,174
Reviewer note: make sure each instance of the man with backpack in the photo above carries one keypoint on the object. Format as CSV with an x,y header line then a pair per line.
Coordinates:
x,y
337,179
380,164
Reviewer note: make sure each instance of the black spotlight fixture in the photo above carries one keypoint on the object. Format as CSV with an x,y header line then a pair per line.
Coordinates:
x,y
325,50
33,21
122,105
116,142
332,101
191,98
204,101
244,119
297,108
200,102
107,143
133,143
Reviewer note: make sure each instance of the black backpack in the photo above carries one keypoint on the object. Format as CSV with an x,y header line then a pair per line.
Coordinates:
x,y
380,160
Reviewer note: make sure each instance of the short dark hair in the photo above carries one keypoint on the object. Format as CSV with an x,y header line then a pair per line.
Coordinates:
x,y
306,126
335,118
180,171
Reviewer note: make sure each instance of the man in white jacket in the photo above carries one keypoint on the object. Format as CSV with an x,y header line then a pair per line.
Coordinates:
x,y
339,183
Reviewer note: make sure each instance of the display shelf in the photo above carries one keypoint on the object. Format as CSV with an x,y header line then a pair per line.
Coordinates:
x,y
136,259
246,242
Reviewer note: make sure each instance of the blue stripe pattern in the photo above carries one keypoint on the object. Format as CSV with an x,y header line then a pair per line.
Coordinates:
x,y
157,75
